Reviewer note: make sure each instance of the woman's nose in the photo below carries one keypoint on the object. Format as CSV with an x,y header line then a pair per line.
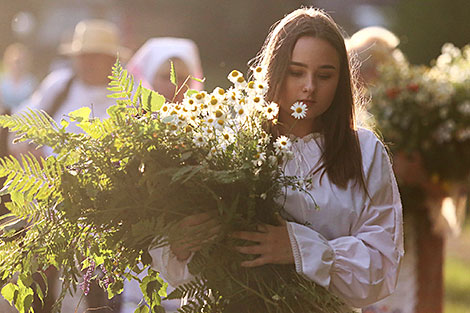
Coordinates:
x,y
309,86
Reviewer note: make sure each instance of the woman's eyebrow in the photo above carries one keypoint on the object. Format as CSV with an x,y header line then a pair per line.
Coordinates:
x,y
326,66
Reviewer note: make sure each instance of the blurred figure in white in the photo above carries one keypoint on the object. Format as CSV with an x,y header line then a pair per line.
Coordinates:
x,y
16,84
151,65
93,51
16,81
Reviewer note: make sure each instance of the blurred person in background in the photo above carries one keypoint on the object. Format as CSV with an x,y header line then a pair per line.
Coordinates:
x,y
374,46
16,83
151,64
93,51
420,282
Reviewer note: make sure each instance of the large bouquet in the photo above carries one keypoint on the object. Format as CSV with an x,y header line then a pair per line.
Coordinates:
x,y
427,110
123,187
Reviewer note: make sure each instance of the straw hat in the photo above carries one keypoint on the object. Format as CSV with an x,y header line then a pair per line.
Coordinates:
x,y
95,36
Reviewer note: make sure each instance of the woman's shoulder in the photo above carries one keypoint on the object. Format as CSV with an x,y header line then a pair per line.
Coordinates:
x,y
371,145
367,138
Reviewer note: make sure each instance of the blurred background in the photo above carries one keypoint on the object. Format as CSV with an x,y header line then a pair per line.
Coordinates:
x,y
230,33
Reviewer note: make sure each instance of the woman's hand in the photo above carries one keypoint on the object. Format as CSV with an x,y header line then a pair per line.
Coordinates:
x,y
201,228
273,246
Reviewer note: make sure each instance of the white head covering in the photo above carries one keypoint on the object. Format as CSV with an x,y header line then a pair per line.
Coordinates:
x,y
155,51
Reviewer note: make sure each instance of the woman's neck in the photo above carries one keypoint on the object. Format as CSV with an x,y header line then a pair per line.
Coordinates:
x,y
299,128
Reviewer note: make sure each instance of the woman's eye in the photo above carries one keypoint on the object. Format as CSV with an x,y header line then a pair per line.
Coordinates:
x,y
324,76
295,73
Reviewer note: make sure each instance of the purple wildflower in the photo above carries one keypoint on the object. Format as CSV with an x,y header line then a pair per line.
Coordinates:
x,y
85,285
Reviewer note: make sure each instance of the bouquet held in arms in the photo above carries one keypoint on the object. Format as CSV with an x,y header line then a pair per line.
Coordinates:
x,y
126,184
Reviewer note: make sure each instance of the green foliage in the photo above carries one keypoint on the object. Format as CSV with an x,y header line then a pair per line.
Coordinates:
x,y
173,74
45,228
123,186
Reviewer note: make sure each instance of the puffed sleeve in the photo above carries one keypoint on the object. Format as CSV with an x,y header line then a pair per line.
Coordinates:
x,y
362,267
175,272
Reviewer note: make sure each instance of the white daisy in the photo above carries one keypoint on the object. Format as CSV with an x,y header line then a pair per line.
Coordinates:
x,y
237,79
219,93
234,76
228,135
271,110
251,88
299,110
199,140
165,110
232,97
256,102
259,158
214,104
200,97
240,110
261,87
258,72
282,144
220,122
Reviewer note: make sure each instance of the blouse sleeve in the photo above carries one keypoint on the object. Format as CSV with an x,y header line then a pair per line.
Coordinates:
x,y
360,268
175,272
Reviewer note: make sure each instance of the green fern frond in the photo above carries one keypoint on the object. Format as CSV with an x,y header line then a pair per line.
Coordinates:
x,y
32,177
28,212
29,122
189,290
121,84
34,125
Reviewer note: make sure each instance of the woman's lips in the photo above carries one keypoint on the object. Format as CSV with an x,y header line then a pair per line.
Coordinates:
x,y
308,102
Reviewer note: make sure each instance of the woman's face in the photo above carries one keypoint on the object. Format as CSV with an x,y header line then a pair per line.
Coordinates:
x,y
162,84
312,77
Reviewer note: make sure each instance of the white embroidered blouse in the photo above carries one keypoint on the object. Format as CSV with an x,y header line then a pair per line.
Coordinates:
x,y
353,244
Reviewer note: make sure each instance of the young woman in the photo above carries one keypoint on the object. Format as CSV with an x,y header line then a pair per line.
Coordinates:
x,y
352,245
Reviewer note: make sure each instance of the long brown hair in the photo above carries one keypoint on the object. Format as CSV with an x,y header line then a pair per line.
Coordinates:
x,y
342,158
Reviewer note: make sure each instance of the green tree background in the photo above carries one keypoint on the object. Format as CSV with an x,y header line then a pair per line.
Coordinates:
x,y
424,26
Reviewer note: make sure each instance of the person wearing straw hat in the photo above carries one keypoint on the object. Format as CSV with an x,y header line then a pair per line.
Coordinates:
x,y
93,51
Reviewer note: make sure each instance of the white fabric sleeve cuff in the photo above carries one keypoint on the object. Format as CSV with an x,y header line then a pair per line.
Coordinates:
x,y
312,247
175,272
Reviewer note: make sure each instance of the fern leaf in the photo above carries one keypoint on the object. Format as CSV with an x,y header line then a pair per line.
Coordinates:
x,y
34,125
29,177
121,83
